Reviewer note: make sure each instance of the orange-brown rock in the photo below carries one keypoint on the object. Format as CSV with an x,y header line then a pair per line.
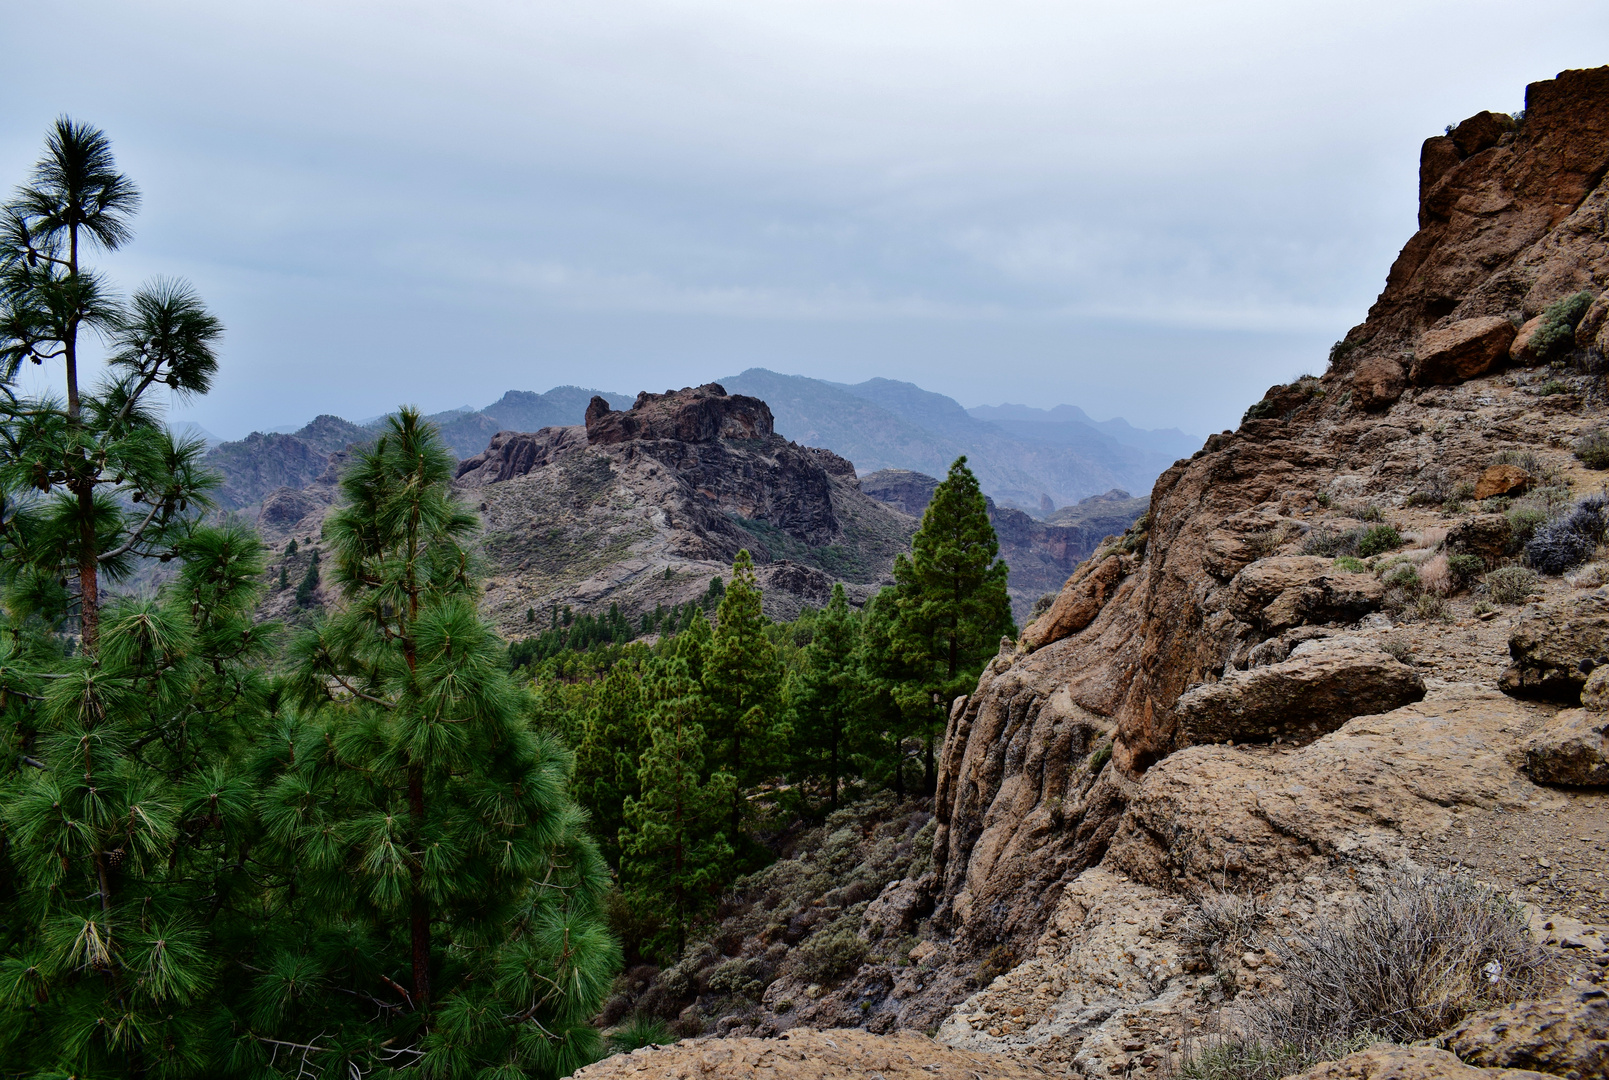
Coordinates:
x,y
1589,331
1378,382
1521,350
1480,132
1488,535
1502,480
1078,603
1462,350
803,1054
1387,1062
1565,1035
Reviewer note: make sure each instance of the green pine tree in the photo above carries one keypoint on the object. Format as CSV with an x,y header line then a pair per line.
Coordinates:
x,y
828,693
953,606
675,858
742,682
612,737
442,893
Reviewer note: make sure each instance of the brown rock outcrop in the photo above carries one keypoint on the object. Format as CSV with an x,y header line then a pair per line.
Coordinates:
x,y
1387,1062
1522,349
803,1054
1078,603
1554,647
1566,1035
1589,331
1378,382
1502,480
1285,591
1324,684
1571,749
1488,535
1461,351
690,415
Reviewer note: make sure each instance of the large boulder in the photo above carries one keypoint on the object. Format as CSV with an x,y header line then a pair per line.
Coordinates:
x,y
897,908
1323,684
1502,480
1076,606
1378,382
1566,1035
1467,348
1555,646
1570,749
1522,350
1589,331
1288,590
1488,535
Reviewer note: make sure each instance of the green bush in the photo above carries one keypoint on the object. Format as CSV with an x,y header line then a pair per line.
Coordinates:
x,y
1525,520
1510,584
1372,512
1465,568
1241,1058
639,1031
1593,449
1351,564
1402,575
826,958
1378,540
1557,333
1553,386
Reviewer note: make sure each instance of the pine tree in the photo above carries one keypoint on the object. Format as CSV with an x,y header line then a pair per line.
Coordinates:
x,y
612,737
952,600
674,856
307,590
443,893
742,679
829,692
93,483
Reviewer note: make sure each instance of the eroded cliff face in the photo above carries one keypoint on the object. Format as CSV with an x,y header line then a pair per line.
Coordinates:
x,y
1512,219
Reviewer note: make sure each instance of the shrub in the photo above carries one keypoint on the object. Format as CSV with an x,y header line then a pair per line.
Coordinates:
x,y
1380,538
1553,386
1372,512
1557,332
1428,608
1042,605
1102,754
639,1031
1525,520
999,961
1510,584
1351,564
1402,575
1323,499
827,957
1411,960
1482,607
1436,577
1465,568
1567,543
1593,449
1237,1057
1331,542
1524,459
1221,928
1399,648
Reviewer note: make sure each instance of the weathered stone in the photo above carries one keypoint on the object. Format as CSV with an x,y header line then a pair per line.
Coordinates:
x,y
1554,646
1076,605
1481,131
1595,694
1570,749
1589,330
1461,351
1487,535
691,415
1289,590
896,908
1321,686
1566,1035
1387,1062
1378,382
1522,349
1502,480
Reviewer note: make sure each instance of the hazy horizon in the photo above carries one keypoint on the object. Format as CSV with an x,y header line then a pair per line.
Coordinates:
x,y
1152,213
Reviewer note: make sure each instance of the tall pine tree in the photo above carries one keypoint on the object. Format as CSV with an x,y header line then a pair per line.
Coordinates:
x,y
444,894
742,684
829,693
953,606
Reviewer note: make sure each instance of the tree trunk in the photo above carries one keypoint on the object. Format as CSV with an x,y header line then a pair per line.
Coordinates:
x,y
421,910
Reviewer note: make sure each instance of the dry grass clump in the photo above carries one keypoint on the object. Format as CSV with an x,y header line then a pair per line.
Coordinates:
x,y
1411,960
1510,584
1590,576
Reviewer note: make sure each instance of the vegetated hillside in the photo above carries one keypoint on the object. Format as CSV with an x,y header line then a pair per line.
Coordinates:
x,y
1336,700
1041,554
643,506
884,424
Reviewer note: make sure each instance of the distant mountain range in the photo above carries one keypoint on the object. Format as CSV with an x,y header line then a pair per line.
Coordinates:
x,y
1035,460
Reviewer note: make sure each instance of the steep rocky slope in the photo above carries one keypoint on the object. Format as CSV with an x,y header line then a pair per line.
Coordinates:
x,y
1314,668
643,506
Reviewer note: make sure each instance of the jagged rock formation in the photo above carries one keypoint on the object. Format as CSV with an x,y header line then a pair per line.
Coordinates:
x,y
643,506
1040,554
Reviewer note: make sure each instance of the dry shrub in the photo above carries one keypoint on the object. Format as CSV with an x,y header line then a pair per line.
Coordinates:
x,y
1222,927
1590,576
1436,577
1430,537
1411,960
1510,584
1236,1057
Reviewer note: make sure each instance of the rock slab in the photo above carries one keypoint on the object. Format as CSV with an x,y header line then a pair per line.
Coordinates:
x,y
1567,1035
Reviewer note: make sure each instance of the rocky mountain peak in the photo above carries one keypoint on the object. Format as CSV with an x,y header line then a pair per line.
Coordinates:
x,y
700,414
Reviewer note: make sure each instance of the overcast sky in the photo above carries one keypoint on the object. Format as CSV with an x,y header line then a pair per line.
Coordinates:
x,y
1152,210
